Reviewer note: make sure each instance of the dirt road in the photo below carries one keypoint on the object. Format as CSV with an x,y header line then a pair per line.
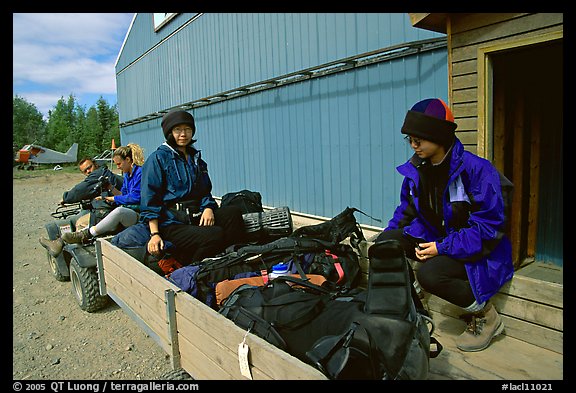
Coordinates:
x,y
52,337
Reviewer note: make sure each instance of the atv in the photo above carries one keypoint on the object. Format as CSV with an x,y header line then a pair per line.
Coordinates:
x,y
76,262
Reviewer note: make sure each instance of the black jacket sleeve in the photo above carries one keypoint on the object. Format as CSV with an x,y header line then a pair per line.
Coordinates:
x,y
88,188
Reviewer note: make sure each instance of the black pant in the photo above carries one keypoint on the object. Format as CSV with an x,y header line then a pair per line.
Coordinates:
x,y
441,275
194,243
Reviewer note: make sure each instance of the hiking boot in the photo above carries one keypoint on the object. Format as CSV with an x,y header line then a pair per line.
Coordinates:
x,y
77,237
54,247
482,327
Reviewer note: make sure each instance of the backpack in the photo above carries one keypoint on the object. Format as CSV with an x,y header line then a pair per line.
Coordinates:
x,y
313,249
264,227
248,201
377,333
340,227
339,263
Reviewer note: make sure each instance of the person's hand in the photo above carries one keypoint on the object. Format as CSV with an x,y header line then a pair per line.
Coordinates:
x,y
207,218
155,245
426,251
98,198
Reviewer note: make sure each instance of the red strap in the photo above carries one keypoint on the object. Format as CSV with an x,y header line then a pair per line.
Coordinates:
x,y
264,274
338,267
340,271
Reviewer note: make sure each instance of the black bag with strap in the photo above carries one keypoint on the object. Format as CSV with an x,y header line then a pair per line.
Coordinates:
x,y
377,333
337,261
341,265
248,201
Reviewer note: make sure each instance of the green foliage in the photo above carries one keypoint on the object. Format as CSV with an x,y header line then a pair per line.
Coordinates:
x,y
28,126
68,122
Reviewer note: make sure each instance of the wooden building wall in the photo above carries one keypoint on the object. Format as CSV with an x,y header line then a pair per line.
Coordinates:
x,y
466,33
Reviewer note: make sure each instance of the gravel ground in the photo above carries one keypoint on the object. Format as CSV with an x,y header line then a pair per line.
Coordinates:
x,y
52,338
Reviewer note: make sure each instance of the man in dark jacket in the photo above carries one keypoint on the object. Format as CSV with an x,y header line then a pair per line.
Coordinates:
x,y
87,189
451,218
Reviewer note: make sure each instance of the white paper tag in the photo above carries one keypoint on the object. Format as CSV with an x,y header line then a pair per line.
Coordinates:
x,y
243,350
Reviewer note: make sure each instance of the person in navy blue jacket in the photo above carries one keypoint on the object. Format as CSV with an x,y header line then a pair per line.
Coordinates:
x,y
177,202
451,219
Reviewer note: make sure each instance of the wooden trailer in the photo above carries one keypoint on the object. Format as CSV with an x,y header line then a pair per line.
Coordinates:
x,y
198,339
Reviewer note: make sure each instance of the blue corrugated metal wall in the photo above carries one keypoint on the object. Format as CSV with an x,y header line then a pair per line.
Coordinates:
x,y
316,146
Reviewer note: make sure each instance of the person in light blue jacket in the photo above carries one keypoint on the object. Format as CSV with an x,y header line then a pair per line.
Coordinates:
x,y
176,200
451,219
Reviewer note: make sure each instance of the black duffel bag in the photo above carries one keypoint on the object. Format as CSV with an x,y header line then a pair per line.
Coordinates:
x,y
377,333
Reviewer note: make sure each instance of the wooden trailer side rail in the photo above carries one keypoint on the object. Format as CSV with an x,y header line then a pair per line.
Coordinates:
x,y
198,339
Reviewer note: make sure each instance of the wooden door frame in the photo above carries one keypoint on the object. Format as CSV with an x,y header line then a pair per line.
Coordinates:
x,y
485,147
523,243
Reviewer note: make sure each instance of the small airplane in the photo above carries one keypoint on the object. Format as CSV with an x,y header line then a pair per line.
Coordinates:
x,y
33,154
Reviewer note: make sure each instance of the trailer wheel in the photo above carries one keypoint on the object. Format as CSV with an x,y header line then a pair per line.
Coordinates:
x,y
54,269
176,375
85,287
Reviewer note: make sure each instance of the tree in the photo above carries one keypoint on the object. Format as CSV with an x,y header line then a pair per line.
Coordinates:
x,y
108,118
68,122
61,124
28,125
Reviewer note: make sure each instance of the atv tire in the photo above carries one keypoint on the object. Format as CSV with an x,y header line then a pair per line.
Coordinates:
x,y
54,269
85,287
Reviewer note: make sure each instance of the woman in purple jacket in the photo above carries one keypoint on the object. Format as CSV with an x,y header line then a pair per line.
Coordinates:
x,y
451,218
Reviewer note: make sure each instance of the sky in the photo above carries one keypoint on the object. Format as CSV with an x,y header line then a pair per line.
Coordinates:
x,y
56,55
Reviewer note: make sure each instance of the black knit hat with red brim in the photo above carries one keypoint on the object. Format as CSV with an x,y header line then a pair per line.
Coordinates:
x,y
432,120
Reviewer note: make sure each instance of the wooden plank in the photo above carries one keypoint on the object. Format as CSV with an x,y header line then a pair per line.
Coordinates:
x,y
139,306
467,124
531,312
464,67
198,363
208,358
505,359
521,329
465,95
467,137
535,290
153,301
465,81
466,109
543,271
471,21
541,336
507,28
518,158
137,271
271,361
470,52
537,313
534,173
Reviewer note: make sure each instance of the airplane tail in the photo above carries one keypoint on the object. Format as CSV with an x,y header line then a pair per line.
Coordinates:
x,y
73,151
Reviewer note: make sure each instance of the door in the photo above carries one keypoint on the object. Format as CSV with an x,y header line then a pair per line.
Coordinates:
x,y
527,135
